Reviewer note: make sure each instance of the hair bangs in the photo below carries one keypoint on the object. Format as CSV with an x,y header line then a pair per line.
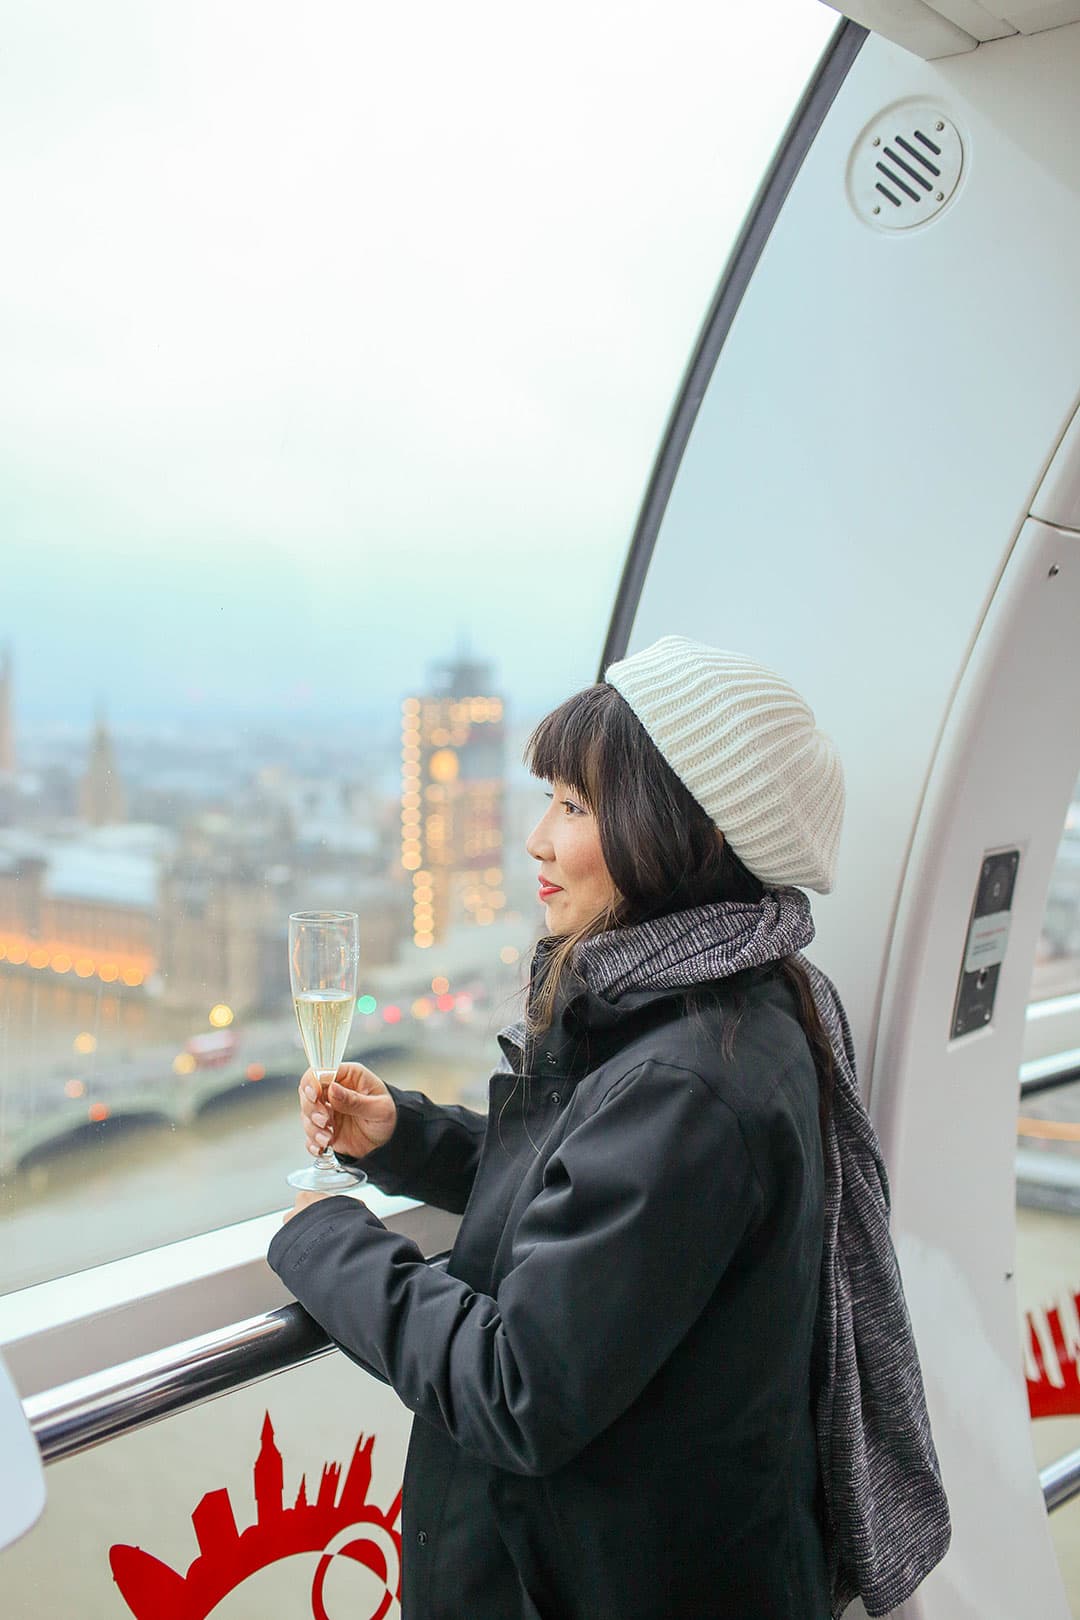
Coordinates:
x,y
567,745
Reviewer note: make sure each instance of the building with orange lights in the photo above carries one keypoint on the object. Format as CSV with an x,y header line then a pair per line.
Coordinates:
x,y
80,911
452,743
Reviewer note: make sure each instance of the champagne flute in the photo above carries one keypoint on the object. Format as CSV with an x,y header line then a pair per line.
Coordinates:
x,y
324,949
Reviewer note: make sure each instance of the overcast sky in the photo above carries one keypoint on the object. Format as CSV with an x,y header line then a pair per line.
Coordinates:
x,y
330,331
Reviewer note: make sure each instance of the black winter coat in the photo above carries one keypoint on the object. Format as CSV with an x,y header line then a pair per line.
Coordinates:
x,y
612,1375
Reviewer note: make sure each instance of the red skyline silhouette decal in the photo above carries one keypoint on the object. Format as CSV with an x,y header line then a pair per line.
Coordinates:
x,y
337,1524
1051,1346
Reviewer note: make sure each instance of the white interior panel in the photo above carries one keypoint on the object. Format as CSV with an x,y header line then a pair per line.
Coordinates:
x,y
982,22
946,1110
879,421
1030,16
911,23
936,28
849,510
22,1479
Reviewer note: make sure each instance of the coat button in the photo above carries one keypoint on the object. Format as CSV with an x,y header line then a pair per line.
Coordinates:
x,y
555,1098
549,1057
421,1536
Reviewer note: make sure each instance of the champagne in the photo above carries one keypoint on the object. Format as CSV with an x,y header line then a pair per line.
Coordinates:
x,y
324,949
325,1017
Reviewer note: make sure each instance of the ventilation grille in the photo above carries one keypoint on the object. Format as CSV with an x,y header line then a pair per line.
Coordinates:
x,y
905,167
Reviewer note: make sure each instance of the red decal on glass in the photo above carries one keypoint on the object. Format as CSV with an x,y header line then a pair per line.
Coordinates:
x,y
1051,1347
338,1523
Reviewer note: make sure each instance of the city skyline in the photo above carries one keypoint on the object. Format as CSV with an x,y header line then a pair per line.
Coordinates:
x,y
373,732
194,719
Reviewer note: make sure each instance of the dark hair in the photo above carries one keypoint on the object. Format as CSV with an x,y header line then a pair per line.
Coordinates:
x,y
662,849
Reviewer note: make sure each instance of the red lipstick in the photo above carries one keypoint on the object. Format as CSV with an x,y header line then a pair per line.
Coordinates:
x,y
548,889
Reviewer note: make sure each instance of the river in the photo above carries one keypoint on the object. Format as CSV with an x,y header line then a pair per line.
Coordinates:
x,y
130,1187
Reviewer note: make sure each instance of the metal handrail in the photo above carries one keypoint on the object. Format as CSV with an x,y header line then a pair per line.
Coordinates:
x,y
85,1413
1047,1074
104,1405
1061,1481
89,1411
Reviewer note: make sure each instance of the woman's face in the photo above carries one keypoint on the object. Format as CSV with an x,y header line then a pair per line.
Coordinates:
x,y
574,883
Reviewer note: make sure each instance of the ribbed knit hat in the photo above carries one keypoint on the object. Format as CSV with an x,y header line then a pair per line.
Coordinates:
x,y
745,744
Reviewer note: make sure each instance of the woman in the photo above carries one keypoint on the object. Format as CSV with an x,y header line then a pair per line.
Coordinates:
x,y
668,1369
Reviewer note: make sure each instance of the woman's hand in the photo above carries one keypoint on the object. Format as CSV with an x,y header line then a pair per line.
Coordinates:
x,y
303,1199
358,1115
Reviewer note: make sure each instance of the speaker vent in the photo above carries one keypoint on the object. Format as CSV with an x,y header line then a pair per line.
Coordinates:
x,y
905,167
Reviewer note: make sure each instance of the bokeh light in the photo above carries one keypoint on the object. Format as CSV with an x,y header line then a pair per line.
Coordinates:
x,y
443,765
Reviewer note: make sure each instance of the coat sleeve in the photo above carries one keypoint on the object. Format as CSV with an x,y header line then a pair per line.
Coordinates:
x,y
432,1155
641,1209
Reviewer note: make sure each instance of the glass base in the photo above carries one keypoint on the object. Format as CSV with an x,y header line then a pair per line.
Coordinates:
x,y
330,1178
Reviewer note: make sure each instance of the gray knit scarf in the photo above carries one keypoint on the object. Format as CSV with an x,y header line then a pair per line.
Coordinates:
x,y
888,1519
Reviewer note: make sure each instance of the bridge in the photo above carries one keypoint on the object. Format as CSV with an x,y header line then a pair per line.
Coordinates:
x,y
146,1087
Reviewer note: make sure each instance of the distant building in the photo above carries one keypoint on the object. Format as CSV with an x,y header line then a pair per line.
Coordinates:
x,y
214,913
452,742
82,909
325,816
102,798
7,714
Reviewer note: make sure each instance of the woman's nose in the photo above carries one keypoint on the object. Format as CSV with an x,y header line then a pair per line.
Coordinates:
x,y
538,844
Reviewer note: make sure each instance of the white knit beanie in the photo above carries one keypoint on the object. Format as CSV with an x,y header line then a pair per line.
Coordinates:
x,y
746,746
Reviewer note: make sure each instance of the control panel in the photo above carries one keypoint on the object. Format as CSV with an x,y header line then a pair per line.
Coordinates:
x,y
987,938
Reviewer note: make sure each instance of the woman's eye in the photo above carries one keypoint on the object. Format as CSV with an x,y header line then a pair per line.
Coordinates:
x,y
568,805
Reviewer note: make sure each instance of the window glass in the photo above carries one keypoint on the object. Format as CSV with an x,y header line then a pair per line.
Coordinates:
x,y
1057,959
1048,1205
1048,1295
338,343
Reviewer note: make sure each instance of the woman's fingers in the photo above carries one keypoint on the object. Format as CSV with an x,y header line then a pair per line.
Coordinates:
x,y
354,1114
358,1080
348,1101
312,1106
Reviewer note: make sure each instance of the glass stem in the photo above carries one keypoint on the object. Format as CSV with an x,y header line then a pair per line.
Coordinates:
x,y
327,1158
